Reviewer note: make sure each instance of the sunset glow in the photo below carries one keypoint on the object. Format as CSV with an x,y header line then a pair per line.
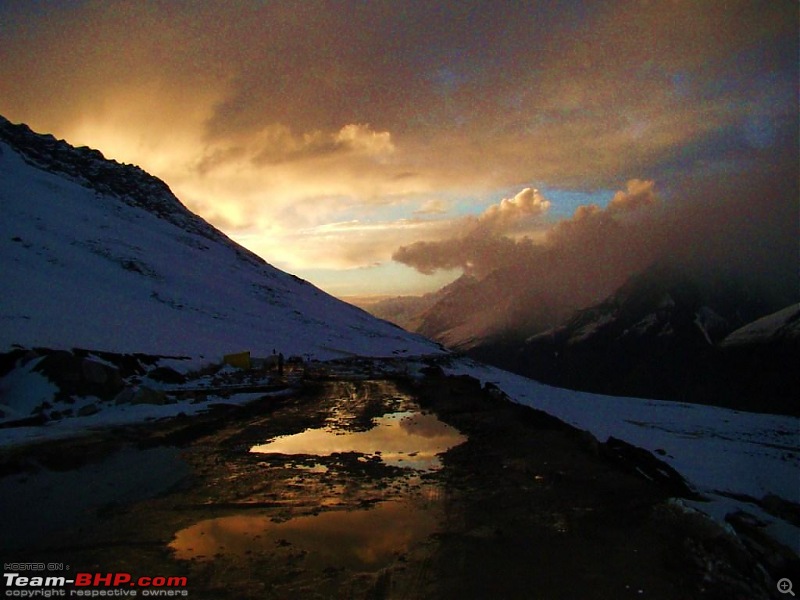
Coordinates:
x,y
334,138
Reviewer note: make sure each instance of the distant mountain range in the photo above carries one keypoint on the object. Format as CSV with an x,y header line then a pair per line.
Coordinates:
x,y
665,335
669,332
471,311
101,255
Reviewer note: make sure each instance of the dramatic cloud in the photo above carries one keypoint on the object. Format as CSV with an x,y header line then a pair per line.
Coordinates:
x,y
511,211
353,244
481,245
478,244
742,230
269,118
551,91
277,144
433,206
638,194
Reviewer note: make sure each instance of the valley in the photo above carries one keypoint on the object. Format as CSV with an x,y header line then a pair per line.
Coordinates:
x,y
151,432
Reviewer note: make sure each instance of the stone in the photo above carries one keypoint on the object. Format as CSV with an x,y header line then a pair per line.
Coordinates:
x,y
146,395
103,380
125,396
94,372
166,375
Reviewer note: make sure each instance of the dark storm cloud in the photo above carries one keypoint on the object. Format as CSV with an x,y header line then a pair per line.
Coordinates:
x,y
481,244
743,227
564,92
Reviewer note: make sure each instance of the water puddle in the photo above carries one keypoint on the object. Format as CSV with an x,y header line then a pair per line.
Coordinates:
x,y
361,540
406,439
365,519
48,502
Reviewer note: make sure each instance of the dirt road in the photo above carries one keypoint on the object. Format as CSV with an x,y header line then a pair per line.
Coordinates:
x,y
369,489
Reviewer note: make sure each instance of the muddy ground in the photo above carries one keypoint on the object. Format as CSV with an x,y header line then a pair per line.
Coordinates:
x,y
522,506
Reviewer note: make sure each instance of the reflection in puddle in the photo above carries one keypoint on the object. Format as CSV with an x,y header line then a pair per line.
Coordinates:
x,y
315,468
403,439
362,540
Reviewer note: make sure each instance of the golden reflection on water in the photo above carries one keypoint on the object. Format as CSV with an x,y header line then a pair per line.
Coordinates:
x,y
404,439
362,540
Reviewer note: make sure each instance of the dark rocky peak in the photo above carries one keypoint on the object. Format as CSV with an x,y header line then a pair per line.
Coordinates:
x,y
716,302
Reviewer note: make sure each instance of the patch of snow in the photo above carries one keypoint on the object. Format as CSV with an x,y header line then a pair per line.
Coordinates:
x,y
591,328
648,324
709,323
719,507
23,390
717,450
188,364
784,324
111,415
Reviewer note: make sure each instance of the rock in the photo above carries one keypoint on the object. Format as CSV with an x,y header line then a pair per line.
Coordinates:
x,y
94,372
104,378
10,360
781,508
776,558
645,464
589,443
495,392
78,376
146,395
125,396
432,371
28,357
63,369
166,375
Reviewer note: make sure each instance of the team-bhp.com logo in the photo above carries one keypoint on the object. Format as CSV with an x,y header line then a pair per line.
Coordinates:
x,y
93,585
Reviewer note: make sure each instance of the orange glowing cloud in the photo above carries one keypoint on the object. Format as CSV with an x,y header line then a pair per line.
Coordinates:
x,y
273,120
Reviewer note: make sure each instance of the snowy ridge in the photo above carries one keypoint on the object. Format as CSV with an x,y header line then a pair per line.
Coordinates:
x,y
735,459
102,256
88,167
780,326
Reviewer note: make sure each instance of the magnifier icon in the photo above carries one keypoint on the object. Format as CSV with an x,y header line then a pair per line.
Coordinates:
x,y
785,586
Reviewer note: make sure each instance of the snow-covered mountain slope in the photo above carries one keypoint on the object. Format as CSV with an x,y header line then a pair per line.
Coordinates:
x,y
781,327
471,312
669,334
102,256
410,312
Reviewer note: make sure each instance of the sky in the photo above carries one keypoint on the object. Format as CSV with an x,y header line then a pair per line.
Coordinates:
x,y
369,147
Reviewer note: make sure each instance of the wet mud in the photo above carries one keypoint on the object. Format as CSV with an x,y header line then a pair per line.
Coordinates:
x,y
378,488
